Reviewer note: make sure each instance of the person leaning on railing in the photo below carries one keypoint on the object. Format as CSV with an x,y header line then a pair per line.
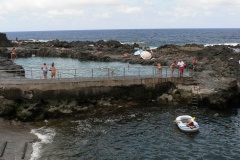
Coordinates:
x,y
53,71
172,66
45,70
181,65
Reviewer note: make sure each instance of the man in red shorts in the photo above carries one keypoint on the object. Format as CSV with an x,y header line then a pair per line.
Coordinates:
x,y
181,65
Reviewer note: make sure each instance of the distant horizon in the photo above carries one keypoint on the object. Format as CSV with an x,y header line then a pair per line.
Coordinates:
x,y
112,29
62,15
149,37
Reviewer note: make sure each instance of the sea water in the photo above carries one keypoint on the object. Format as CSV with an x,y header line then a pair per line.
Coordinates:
x,y
144,37
141,133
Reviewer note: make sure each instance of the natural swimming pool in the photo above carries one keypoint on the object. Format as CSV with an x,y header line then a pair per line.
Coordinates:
x,y
72,68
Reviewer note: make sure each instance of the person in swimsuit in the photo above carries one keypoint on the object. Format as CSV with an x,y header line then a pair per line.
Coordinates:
x,y
194,64
45,70
159,68
13,54
53,71
190,125
172,66
181,65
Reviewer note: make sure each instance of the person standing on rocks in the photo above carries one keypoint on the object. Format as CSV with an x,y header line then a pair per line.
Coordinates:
x,y
194,63
13,54
181,65
45,70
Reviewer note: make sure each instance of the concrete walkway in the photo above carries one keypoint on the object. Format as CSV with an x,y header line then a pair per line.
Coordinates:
x,y
15,141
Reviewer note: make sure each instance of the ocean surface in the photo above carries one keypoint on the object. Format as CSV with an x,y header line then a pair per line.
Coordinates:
x,y
145,132
144,37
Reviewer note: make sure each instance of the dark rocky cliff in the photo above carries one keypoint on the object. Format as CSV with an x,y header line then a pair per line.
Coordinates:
x,y
4,42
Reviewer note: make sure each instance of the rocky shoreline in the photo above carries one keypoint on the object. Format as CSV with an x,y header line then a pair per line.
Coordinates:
x,y
216,78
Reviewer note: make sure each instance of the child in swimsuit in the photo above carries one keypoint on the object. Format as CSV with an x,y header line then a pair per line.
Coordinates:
x,y
159,68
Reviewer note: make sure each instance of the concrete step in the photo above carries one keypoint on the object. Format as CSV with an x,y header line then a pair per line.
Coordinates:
x,y
15,150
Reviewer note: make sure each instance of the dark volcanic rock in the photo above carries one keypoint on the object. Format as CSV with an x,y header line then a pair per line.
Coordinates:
x,y
4,42
8,66
217,74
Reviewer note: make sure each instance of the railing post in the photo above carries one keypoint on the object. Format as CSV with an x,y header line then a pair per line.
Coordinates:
x,y
166,72
138,72
31,73
124,72
153,71
108,73
75,75
19,74
92,73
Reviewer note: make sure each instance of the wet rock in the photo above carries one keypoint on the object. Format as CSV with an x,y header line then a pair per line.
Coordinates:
x,y
66,109
104,103
217,74
216,115
165,98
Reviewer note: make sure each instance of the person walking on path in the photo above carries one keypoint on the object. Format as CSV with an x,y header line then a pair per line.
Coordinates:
x,y
172,66
181,65
45,70
53,71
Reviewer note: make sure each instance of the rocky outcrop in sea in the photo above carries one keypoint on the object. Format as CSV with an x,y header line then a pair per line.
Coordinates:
x,y
215,82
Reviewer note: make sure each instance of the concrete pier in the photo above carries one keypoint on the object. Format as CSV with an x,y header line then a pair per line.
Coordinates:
x,y
73,88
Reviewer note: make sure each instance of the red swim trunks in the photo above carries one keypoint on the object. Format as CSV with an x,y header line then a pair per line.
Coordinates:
x,y
53,72
181,69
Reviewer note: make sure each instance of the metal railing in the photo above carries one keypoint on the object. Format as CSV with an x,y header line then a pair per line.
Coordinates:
x,y
91,73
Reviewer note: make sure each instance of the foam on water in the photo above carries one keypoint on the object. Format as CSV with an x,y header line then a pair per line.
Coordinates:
x,y
45,135
226,44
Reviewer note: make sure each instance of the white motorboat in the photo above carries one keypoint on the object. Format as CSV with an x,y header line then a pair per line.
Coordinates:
x,y
187,123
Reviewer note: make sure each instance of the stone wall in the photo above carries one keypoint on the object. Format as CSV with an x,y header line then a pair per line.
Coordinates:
x,y
67,89
44,99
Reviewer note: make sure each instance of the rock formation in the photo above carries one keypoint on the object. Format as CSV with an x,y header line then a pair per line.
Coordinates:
x,y
4,42
217,75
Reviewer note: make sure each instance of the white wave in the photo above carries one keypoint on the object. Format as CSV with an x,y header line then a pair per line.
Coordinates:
x,y
131,43
36,40
225,44
153,47
236,49
46,136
